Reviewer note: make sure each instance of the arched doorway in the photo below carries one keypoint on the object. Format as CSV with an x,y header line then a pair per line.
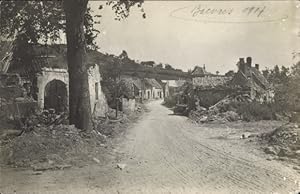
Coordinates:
x,y
56,96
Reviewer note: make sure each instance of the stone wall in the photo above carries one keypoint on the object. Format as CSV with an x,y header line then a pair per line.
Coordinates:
x,y
13,103
210,97
210,81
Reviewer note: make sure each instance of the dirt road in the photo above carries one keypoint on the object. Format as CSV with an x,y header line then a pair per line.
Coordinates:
x,y
164,153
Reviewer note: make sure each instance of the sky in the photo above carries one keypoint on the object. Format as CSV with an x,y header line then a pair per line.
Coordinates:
x,y
171,34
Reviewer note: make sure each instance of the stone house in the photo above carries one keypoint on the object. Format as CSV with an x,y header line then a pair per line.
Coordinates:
x,y
250,79
153,89
134,85
138,88
173,86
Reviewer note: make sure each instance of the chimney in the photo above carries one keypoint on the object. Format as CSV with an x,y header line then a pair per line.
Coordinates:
x,y
249,61
242,65
242,61
203,66
257,66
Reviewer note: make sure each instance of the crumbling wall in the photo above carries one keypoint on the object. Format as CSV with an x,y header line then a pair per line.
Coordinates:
x,y
209,97
128,105
210,81
12,101
47,75
98,101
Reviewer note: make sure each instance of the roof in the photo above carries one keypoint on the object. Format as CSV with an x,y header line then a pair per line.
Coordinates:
x,y
199,71
153,83
137,83
259,77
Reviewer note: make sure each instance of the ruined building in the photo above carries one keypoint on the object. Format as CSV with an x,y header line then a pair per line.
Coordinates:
x,y
46,80
204,79
252,81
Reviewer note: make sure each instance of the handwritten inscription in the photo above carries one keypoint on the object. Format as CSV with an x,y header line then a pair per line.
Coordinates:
x,y
233,13
248,11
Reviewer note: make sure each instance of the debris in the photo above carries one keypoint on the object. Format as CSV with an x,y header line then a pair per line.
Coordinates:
x,y
221,112
37,173
246,135
121,166
49,144
270,150
203,119
296,167
96,160
46,166
11,133
284,142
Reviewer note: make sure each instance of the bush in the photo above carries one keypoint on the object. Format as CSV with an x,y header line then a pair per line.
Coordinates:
x,y
170,101
254,111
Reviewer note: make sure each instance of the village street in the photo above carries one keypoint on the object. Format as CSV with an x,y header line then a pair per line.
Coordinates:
x,y
164,153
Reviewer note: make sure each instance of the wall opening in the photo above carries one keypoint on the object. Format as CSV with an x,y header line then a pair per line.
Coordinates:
x,y
56,96
97,90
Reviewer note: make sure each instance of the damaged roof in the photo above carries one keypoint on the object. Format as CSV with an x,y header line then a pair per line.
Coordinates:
x,y
199,71
137,83
254,79
260,78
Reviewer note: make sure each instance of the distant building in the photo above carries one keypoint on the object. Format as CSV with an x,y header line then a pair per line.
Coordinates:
x,y
153,89
134,86
172,86
252,80
199,71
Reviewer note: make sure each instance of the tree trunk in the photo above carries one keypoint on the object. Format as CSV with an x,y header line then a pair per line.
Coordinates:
x,y
116,98
79,98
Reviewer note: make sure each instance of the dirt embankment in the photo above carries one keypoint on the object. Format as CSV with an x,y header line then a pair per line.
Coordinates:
x,y
47,145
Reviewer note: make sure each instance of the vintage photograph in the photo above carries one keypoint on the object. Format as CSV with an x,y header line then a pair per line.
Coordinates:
x,y
143,96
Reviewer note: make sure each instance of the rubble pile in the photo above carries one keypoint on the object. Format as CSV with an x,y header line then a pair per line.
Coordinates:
x,y
111,126
53,145
223,111
45,118
284,142
47,143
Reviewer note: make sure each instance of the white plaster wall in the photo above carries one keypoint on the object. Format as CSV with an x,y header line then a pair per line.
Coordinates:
x,y
156,93
99,107
47,75
146,94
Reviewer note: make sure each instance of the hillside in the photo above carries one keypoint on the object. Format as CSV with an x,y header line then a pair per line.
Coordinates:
x,y
54,56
